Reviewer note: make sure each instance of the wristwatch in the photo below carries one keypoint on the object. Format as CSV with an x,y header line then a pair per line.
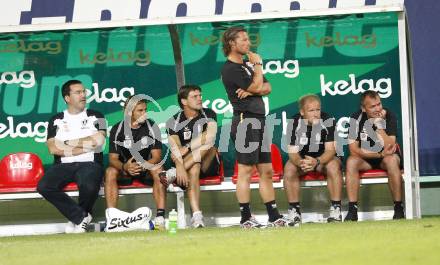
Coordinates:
x,y
318,162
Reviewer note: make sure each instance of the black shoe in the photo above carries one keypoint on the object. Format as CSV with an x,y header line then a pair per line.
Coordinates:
x,y
351,216
398,214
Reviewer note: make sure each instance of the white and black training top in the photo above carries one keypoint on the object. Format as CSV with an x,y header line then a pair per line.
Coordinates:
x,y
235,76
65,126
365,133
311,139
188,129
124,141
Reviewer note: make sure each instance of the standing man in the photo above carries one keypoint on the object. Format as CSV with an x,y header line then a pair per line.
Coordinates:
x,y
372,144
138,134
245,85
75,137
312,149
192,133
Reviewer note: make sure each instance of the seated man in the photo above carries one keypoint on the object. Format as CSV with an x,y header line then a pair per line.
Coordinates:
x,y
312,149
135,152
75,138
372,144
192,133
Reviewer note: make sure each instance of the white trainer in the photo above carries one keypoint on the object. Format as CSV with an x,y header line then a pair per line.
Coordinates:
x,y
335,214
81,227
294,216
197,220
159,223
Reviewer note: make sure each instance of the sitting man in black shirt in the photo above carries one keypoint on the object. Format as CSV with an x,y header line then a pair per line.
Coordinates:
x,y
312,149
245,85
192,133
372,144
135,152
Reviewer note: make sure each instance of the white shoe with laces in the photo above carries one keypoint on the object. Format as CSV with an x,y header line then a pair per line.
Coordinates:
x,y
81,227
159,223
197,220
294,216
251,224
282,222
335,214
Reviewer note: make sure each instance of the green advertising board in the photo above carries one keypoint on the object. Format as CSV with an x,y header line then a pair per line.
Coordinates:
x,y
335,57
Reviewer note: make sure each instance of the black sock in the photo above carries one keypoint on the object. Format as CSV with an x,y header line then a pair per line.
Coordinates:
x,y
353,206
398,206
245,211
160,212
272,211
336,203
296,206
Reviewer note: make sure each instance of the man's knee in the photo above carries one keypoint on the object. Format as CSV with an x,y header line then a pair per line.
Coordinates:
x,y
89,187
194,171
245,172
391,161
333,168
42,187
353,163
266,172
291,171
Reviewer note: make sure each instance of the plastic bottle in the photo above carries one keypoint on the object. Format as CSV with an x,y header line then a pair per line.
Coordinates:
x,y
172,222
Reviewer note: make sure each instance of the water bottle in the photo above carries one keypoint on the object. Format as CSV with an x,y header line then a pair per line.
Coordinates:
x,y
172,222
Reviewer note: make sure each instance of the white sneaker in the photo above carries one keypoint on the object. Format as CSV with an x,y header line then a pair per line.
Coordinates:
x,y
282,222
294,216
197,220
335,214
69,227
81,227
159,223
119,221
251,224
168,177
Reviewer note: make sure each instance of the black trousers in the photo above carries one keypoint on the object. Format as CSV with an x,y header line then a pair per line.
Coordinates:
x,y
87,175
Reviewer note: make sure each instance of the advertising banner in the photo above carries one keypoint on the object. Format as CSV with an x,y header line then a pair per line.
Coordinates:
x,y
335,57
22,12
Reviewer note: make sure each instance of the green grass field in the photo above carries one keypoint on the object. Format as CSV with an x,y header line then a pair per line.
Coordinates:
x,y
380,242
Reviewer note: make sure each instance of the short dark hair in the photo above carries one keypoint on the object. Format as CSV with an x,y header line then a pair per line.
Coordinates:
x,y
370,94
230,35
184,92
65,89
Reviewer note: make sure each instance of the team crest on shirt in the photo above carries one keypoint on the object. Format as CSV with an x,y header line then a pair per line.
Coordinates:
x,y
127,142
303,139
187,133
84,123
318,138
144,142
364,135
